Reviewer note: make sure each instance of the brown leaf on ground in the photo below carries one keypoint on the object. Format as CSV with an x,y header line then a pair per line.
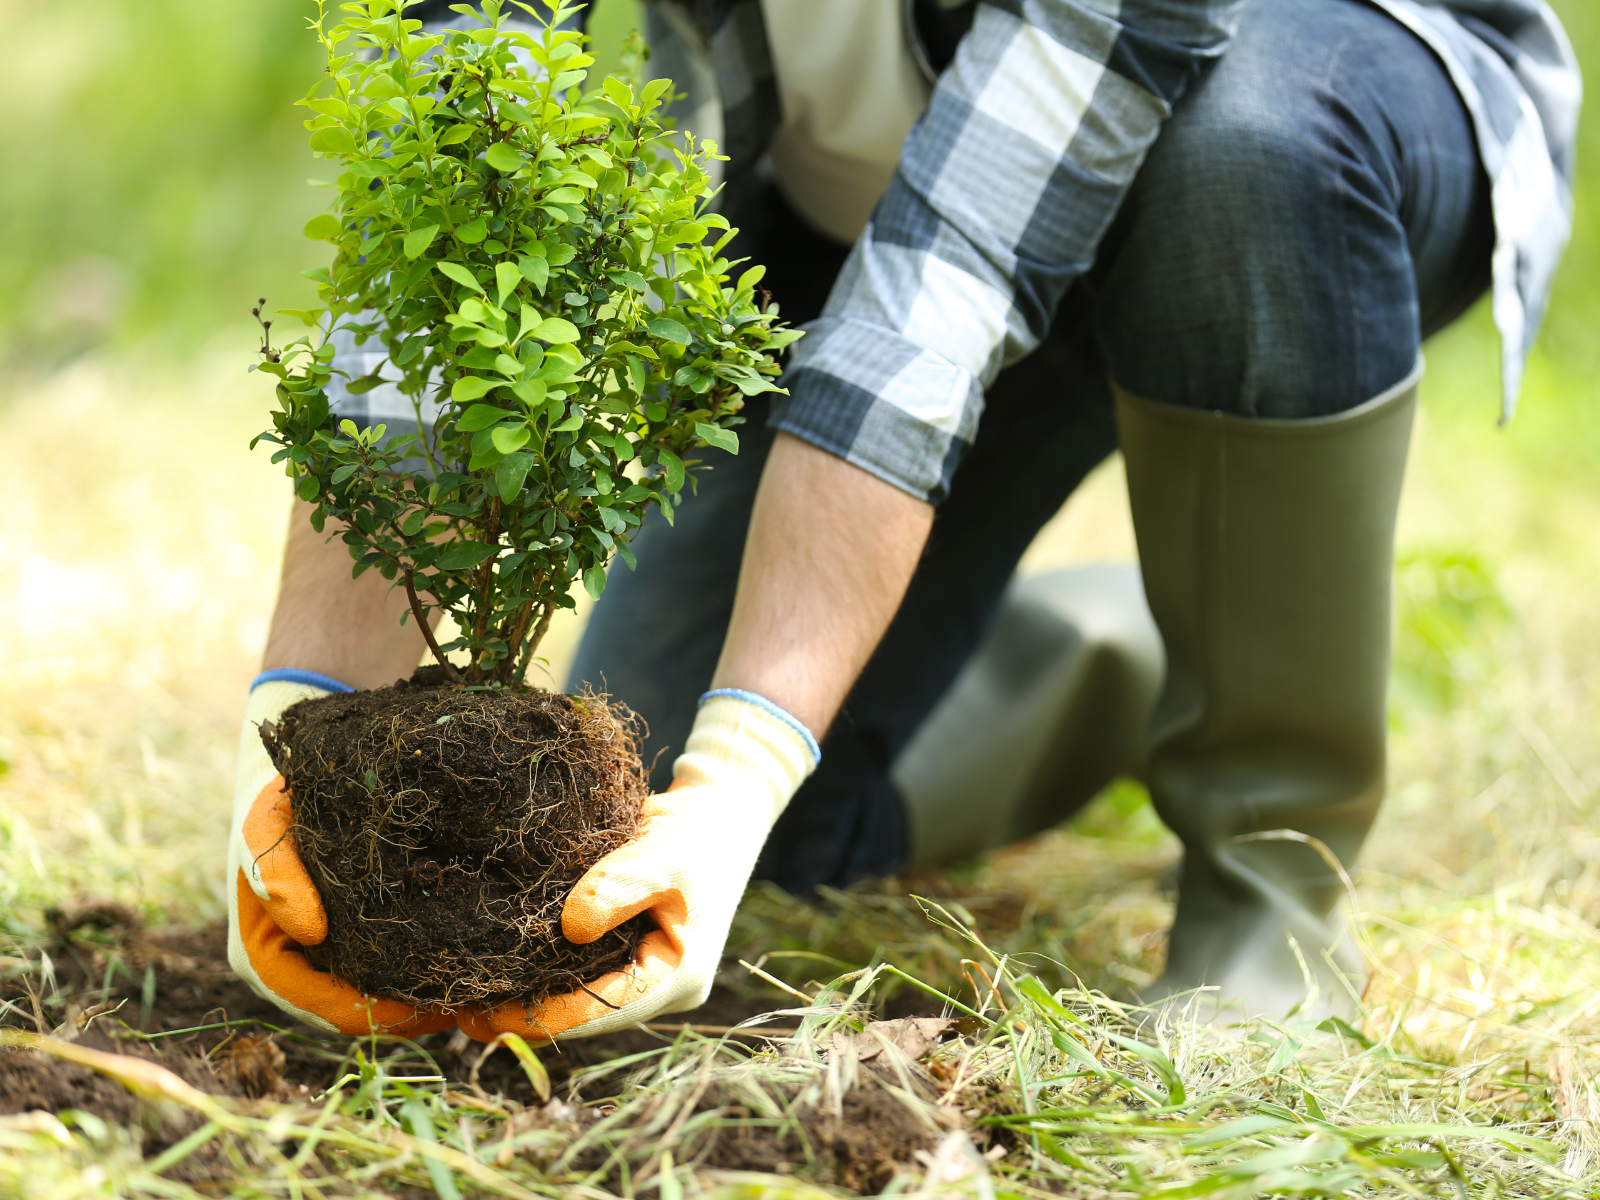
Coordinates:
x,y
917,1037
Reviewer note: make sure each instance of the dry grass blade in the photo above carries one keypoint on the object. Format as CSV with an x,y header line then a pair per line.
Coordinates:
x,y
143,1078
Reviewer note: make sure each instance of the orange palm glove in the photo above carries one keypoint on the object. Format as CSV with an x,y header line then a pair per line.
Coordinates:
x,y
688,868
273,907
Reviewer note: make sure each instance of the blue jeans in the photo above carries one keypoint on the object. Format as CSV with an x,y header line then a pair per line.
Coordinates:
x,y
1314,208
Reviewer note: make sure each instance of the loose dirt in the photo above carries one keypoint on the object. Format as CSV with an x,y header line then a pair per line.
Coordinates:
x,y
444,828
111,985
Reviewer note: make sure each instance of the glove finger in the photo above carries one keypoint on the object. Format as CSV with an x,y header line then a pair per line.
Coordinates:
x,y
280,878
284,971
620,886
656,960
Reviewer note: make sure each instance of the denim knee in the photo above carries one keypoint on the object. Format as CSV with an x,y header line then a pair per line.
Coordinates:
x,y
1261,264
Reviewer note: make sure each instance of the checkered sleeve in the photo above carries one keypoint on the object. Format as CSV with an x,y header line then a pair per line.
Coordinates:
x,y
1004,190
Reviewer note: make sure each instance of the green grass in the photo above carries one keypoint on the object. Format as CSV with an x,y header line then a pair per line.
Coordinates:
x,y
141,541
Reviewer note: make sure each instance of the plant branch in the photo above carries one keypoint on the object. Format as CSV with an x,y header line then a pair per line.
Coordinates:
x,y
533,642
485,590
421,618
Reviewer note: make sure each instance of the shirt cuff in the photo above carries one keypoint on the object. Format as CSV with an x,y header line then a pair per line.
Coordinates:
x,y
897,410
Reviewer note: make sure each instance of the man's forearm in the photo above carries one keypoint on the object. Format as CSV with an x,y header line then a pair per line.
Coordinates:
x,y
348,629
830,553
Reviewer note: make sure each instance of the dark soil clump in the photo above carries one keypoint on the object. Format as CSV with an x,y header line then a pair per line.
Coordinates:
x,y
444,828
871,1138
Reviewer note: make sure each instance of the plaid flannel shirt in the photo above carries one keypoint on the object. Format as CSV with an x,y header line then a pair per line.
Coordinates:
x,y
955,279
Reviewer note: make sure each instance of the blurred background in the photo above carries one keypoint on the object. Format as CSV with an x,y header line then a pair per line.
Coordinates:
x,y
153,184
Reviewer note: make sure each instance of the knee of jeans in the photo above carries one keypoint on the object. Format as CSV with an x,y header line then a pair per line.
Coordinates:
x,y
1220,286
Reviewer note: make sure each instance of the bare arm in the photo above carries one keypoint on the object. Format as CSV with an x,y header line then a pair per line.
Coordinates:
x,y
348,629
830,553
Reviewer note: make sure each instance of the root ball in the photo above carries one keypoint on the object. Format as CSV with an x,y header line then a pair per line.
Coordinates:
x,y
444,827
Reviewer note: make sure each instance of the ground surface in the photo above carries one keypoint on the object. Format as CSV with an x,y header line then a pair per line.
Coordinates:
x,y
132,606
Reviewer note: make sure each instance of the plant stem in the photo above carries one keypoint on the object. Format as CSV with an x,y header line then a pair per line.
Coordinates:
x,y
533,642
421,618
485,591
506,671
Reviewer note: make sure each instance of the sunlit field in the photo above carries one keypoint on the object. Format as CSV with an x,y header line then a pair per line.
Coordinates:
x,y
139,542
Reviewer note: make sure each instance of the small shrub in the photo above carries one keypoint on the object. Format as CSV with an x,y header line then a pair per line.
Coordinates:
x,y
538,261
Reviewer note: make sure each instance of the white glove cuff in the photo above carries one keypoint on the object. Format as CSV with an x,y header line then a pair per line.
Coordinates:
x,y
270,694
745,740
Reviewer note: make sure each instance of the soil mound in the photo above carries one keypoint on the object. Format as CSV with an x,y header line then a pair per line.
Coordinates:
x,y
444,827
873,1136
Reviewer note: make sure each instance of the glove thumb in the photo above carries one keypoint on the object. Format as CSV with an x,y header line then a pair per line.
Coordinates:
x,y
272,866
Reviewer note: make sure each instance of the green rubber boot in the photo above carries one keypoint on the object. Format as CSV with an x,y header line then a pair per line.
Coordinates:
x,y
1053,705
1267,550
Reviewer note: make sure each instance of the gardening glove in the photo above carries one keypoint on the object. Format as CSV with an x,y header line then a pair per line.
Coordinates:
x,y
688,866
273,907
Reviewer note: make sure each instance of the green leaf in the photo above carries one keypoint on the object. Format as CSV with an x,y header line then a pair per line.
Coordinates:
x,y
333,140
654,90
594,582
507,276
324,227
637,374
535,270
473,232
672,466
618,92
509,475
668,329
419,239
503,158
556,331
630,279
470,387
530,391
307,489
481,416
462,276
715,435
457,134
519,114
508,439
462,556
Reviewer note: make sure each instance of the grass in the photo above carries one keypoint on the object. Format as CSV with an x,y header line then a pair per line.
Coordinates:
x,y
141,541
132,603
